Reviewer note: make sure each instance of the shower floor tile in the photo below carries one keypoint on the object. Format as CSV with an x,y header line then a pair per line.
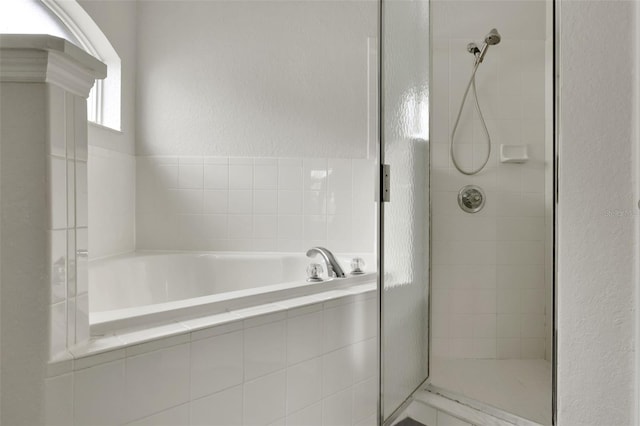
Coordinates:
x,y
518,386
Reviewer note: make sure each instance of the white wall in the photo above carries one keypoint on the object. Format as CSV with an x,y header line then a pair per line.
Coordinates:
x,y
254,78
488,272
111,153
597,213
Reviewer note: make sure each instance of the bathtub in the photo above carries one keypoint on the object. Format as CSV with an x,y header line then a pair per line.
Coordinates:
x,y
150,288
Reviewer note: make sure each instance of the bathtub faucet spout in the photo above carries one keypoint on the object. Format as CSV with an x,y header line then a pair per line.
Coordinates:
x,y
333,267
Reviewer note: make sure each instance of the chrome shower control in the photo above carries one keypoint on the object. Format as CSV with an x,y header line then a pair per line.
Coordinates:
x,y
313,273
471,198
357,266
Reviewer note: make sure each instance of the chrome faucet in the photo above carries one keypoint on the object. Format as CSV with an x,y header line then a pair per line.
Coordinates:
x,y
333,267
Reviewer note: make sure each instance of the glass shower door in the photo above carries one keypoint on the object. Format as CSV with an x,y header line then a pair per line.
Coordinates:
x,y
404,217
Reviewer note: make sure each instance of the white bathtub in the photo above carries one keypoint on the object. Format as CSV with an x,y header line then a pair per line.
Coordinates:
x,y
147,288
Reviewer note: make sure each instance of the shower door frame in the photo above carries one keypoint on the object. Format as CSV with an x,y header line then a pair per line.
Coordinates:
x,y
384,184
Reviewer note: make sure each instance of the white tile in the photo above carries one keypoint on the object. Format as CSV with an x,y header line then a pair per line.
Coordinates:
x,y
265,226
289,202
461,348
265,176
315,174
532,348
70,124
520,253
82,318
98,395
176,416
57,176
315,227
339,227
302,337
216,176
56,122
304,384
58,331
220,409
315,202
264,349
215,227
532,326
186,201
240,201
58,265
310,416
290,227
265,399
59,400
485,301
461,325
290,174
265,202
215,201
533,301
508,301
508,325
240,176
508,348
339,202
484,348
484,326
336,410
216,363
190,176
340,175
147,377
337,371
365,398
240,226
81,189
80,128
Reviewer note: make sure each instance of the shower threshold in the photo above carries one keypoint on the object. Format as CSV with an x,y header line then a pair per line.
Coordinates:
x,y
516,390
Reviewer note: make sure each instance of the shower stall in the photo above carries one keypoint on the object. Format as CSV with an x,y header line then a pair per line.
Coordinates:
x,y
467,235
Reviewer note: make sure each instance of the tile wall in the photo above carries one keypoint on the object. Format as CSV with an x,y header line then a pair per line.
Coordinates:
x,y
112,177
312,365
255,204
68,227
489,268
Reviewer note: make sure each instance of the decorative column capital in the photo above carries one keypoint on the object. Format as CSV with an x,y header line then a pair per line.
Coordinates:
x,y
34,58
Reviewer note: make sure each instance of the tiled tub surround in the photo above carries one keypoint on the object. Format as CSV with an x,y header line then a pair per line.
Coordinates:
x,y
310,362
255,204
489,268
148,289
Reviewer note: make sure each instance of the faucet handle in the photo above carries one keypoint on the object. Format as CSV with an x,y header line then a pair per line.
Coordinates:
x,y
357,266
313,273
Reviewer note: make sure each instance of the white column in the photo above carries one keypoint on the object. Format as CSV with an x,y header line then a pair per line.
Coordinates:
x,y
44,83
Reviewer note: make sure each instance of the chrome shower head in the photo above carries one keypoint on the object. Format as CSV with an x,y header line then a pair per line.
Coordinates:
x,y
493,37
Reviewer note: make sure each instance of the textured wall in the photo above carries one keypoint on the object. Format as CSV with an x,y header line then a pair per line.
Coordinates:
x,y
597,211
254,78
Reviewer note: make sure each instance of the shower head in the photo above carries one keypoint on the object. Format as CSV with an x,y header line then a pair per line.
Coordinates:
x,y
493,37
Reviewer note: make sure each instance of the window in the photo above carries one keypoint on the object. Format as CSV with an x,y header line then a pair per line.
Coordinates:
x,y
68,20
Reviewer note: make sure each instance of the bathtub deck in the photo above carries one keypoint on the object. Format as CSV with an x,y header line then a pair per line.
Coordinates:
x,y
518,386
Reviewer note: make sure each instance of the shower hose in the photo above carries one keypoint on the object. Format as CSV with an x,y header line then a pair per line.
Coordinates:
x,y
470,85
